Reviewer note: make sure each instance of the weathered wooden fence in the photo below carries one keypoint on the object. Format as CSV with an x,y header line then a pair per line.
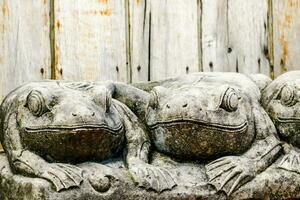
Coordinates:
x,y
139,40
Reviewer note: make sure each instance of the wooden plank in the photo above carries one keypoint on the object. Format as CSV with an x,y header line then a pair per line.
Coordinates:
x,y
139,15
173,38
214,35
234,36
24,43
90,40
286,31
249,35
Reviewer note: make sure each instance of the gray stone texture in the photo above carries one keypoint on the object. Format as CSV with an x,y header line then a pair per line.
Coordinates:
x,y
199,136
274,183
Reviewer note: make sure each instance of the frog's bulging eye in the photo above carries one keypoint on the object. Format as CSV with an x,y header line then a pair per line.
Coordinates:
x,y
287,96
153,101
230,100
36,103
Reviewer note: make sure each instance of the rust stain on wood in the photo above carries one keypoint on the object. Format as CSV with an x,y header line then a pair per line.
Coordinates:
x,y
58,24
293,3
285,50
4,8
57,68
287,20
105,12
103,1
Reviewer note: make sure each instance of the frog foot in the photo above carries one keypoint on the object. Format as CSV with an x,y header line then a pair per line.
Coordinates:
x,y
152,177
62,176
229,173
291,161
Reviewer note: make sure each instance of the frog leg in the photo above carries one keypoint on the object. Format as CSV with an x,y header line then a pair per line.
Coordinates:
x,y
23,161
135,99
229,173
138,148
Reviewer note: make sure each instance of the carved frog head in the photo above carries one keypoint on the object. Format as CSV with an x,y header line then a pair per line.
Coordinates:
x,y
281,99
203,115
65,121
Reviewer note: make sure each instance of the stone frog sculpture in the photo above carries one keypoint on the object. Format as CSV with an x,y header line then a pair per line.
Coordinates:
x,y
281,100
207,116
47,125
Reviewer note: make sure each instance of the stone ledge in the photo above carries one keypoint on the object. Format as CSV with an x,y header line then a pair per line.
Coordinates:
x,y
192,184
15,187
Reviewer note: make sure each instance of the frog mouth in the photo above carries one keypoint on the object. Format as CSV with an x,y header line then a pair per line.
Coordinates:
x,y
75,128
215,126
288,119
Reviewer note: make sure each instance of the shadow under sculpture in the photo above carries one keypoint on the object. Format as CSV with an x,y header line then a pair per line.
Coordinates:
x,y
213,138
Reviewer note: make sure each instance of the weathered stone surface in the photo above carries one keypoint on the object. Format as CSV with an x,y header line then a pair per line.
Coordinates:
x,y
274,183
200,136
206,116
46,125
190,178
281,100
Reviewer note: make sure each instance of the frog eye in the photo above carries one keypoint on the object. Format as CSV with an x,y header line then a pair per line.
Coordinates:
x,y
230,100
153,100
36,103
287,96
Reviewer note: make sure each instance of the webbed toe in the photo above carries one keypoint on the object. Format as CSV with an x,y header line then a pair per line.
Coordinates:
x,y
229,173
152,177
291,162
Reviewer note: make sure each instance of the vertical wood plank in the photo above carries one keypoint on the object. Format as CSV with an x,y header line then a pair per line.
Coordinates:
x,y
286,29
24,43
215,35
90,39
248,35
235,36
173,38
270,52
139,15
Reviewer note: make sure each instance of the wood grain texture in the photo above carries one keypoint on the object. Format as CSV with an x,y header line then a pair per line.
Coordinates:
x,y
90,40
139,27
286,31
215,35
24,43
173,38
234,36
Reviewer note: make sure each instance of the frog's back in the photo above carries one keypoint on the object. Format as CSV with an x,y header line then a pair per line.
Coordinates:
x,y
237,80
